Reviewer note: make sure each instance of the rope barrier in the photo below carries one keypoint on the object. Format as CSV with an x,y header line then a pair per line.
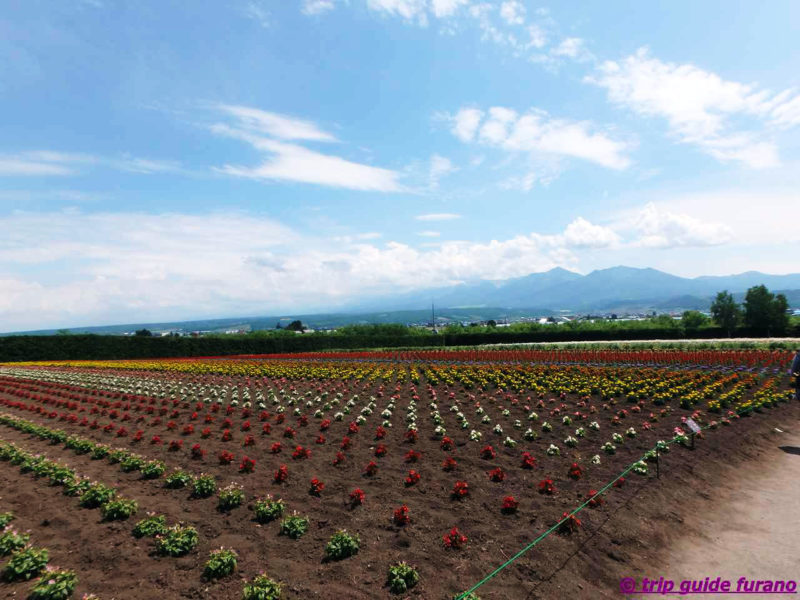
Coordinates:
x,y
530,546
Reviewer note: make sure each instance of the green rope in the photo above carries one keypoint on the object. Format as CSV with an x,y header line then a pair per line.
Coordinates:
x,y
494,573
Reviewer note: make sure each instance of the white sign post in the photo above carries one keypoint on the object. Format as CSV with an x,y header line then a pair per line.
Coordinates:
x,y
694,427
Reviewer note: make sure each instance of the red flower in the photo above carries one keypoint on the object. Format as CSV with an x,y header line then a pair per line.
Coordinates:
x,y
282,474
528,462
171,425
460,489
122,432
209,419
352,428
226,435
247,465
280,419
263,416
380,433
401,516
446,443
206,432
412,456
449,463
198,452
155,440
320,439
619,482
249,440
345,445
266,428
276,448
137,437
510,505
246,426
302,421
175,445
380,450
594,502
316,487
570,524
546,487
575,472
339,459
413,478
497,474
357,497
411,436
325,424
227,423
188,429
225,457
300,452
454,539
488,452
371,468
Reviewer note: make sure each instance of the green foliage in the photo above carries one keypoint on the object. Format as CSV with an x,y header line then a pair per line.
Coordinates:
x,y
96,495
5,519
26,564
119,509
11,541
764,312
341,545
150,526
692,320
725,312
132,462
178,479
176,540
61,475
268,509
204,486
57,584
294,526
402,578
222,562
117,456
230,497
100,451
262,588
77,486
153,469
470,596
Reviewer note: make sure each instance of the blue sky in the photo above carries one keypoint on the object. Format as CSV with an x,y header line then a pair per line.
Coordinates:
x,y
169,160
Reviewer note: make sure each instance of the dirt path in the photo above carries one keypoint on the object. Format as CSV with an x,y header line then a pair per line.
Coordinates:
x,y
755,533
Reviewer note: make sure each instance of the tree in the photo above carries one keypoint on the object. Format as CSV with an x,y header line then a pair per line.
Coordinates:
x,y
725,312
780,315
491,323
296,326
692,320
143,333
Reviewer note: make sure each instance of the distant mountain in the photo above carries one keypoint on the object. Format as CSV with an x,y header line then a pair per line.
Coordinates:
x,y
618,289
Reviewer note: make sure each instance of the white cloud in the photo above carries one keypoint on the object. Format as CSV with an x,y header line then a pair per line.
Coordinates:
x,y
438,217
257,11
441,166
574,48
538,132
293,162
429,234
48,162
700,107
410,10
18,167
277,125
465,123
317,7
513,12
583,234
659,228
446,8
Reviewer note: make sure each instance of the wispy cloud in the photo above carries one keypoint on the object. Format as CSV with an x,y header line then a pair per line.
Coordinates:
x,y
256,10
700,107
41,163
537,131
437,217
293,162
317,7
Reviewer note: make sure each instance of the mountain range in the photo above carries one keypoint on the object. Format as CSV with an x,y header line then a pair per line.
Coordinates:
x,y
624,288
617,289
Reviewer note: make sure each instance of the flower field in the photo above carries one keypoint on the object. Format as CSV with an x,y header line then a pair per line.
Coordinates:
x,y
344,475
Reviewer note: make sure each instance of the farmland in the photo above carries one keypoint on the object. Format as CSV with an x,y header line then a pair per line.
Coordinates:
x,y
326,475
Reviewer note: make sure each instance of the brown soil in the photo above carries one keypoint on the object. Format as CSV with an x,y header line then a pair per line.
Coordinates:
x,y
627,535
